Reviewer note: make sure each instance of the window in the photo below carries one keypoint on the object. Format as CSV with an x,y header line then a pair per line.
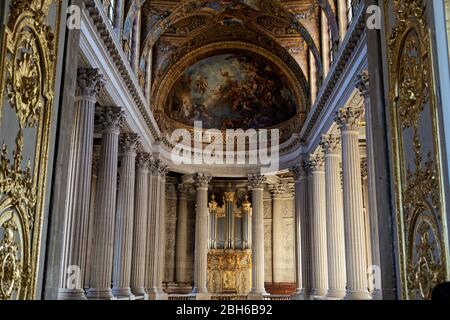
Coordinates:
x,y
110,8
350,7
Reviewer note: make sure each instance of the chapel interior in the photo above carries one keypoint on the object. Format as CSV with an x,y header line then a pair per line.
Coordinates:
x,y
224,149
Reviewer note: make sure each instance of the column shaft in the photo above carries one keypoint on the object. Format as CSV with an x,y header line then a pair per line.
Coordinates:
x,y
300,172
140,225
104,220
319,229
335,218
124,217
348,120
89,82
257,183
182,236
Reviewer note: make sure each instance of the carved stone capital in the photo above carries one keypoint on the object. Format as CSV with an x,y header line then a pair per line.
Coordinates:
x,y
89,82
362,83
158,167
202,180
317,162
278,189
142,160
129,142
257,180
364,170
300,169
330,143
349,118
182,190
112,118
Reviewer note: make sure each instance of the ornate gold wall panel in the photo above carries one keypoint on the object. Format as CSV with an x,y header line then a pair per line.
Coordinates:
x,y
419,196
229,271
27,64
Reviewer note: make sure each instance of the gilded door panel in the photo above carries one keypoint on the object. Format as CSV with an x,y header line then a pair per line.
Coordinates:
x,y
27,64
419,207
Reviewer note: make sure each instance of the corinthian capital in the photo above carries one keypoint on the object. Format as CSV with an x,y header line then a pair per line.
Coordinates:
x,y
300,170
129,142
89,82
257,180
362,83
142,160
317,162
201,180
112,118
330,143
349,118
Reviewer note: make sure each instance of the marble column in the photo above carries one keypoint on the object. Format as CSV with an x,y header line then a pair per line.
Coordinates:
x,y
302,252
151,285
140,225
277,192
182,235
325,33
257,184
201,235
162,171
334,217
90,240
112,119
342,18
89,83
349,122
362,84
155,231
124,217
319,227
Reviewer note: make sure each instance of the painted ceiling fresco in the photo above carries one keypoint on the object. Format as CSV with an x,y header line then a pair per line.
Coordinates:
x,y
230,91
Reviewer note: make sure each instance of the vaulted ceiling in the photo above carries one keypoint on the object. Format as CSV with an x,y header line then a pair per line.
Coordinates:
x,y
288,29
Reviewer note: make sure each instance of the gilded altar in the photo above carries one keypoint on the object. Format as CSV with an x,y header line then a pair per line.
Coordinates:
x,y
229,271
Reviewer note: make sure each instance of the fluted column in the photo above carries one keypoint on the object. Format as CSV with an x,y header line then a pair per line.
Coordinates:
x,y
319,227
182,235
201,234
362,84
155,230
302,252
277,192
89,83
162,171
342,18
151,285
90,239
124,217
103,247
349,121
140,225
257,184
334,217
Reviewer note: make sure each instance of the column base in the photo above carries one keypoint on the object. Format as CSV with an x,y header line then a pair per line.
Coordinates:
x,y
122,293
138,291
202,296
100,294
71,294
256,296
335,294
157,296
199,290
357,295
299,294
377,294
317,294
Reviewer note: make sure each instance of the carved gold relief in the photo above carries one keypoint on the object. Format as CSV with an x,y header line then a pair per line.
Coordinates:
x,y
229,271
27,62
417,173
